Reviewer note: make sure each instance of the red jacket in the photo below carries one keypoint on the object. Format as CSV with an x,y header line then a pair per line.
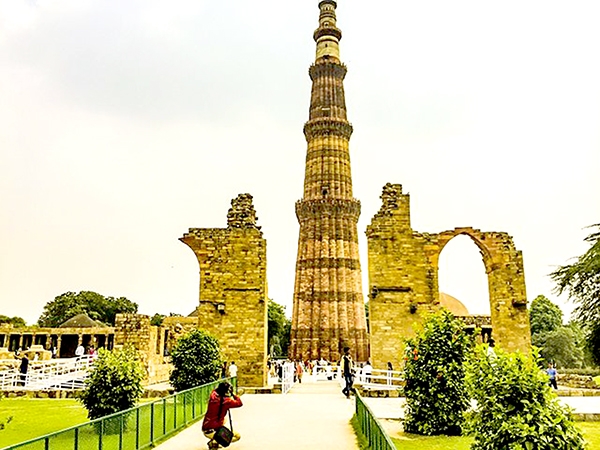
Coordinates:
x,y
214,420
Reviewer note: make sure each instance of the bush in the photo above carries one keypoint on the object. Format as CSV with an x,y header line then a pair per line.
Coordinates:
x,y
516,409
196,358
114,384
436,396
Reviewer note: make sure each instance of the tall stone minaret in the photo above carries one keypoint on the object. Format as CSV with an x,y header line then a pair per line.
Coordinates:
x,y
328,311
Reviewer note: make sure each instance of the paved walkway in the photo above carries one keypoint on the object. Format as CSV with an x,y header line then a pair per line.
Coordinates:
x,y
311,416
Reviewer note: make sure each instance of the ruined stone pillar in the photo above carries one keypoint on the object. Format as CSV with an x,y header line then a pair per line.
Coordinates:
x,y
233,289
328,307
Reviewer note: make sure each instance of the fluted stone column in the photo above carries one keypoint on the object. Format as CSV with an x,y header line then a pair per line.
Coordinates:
x,y
328,310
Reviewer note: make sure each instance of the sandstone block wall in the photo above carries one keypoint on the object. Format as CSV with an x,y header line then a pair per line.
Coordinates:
x,y
403,280
135,330
233,289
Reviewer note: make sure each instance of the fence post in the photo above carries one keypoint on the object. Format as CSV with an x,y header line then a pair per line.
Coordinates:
x,y
164,408
152,423
121,427
101,434
137,428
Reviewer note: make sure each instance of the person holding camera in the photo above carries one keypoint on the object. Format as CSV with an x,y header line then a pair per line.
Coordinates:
x,y
221,400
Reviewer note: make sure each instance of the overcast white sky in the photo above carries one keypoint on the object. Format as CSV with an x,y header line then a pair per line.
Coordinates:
x,y
124,123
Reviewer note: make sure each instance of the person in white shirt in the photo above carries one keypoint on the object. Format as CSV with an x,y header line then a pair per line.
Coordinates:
x,y
367,370
233,370
80,350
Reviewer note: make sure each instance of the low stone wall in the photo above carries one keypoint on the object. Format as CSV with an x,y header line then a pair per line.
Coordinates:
x,y
577,381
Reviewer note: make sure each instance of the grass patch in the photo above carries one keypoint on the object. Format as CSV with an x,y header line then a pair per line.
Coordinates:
x,y
407,441
591,433
597,380
32,417
361,440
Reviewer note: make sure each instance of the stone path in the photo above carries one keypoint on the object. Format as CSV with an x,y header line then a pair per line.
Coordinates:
x,y
311,416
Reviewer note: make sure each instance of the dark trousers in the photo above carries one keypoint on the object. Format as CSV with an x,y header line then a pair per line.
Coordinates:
x,y
553,383
348,388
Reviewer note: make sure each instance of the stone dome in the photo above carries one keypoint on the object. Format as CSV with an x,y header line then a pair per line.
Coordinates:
x,y
453,305
81,321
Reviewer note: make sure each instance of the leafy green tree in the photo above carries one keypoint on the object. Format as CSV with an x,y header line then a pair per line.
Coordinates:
x,y
114,384
436,395
279,327
14,321
196,359
544,316
96,306
581,281
561,346
516,409
157,319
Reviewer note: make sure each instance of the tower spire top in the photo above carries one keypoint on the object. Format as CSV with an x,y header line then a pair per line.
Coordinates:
x,y
328,35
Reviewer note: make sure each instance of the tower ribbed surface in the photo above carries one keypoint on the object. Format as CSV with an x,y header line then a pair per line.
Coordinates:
x,y
328,311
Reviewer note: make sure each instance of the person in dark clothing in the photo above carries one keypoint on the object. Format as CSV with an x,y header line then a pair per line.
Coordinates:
x,y
221,400
347,372
23,369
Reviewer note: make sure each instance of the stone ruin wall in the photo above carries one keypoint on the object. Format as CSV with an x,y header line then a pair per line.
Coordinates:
x,y
403,280
148,340
233,289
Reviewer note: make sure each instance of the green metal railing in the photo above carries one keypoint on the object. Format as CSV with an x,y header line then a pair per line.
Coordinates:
x,y
371,428
134,429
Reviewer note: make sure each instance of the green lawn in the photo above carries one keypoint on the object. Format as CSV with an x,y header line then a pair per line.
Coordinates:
x,y
405,441
33,418
36,417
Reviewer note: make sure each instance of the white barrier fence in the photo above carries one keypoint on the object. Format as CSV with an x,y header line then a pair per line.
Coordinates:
x,y
64,373
287,377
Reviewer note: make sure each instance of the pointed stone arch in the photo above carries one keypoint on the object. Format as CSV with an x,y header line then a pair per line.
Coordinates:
x,y
403,279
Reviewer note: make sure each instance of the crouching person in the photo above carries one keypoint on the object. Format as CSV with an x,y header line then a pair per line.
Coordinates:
x,y
221,400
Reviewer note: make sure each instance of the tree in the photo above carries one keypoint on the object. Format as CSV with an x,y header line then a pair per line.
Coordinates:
x,y
279,326
436,396
515,407
157,319
561,346
196,359
544,316
96,306
581,281
114,384
14,321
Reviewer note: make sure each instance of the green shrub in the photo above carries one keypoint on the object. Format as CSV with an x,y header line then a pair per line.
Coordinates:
x,y
196,360
516,409
436,395
114,384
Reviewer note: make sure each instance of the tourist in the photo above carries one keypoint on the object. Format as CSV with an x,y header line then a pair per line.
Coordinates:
x,y
347,366
233,370
221,400
551,371
491,353
299,371
367,370
224,370
23,369
79,351
390,369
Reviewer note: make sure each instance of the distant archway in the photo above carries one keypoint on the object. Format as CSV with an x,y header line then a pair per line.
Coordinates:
x,y
462,275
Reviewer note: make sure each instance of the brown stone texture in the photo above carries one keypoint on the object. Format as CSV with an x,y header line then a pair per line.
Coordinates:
x,y
328,307
233,289
403,280
135,330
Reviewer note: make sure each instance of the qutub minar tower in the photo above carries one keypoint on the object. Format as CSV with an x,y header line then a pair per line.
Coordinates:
x,y
328,311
